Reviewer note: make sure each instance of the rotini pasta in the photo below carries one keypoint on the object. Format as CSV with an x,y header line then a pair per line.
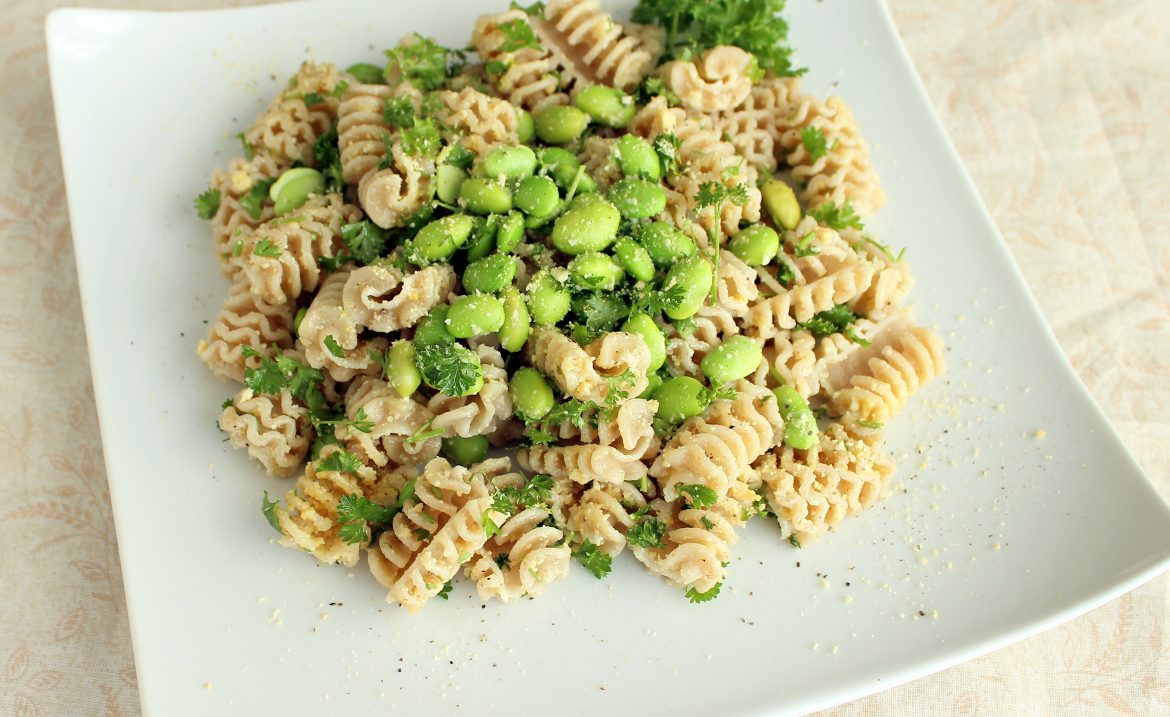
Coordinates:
x,y
522,560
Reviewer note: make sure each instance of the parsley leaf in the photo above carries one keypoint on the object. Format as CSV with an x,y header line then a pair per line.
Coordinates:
x,y
360,422
701,496
246,146
714,195
399,111
207,203
894,258
253,201
601,311
423,63
495,67
646,532
700,597
518,35
354,512
537,437
653,85
536,8
838,319
268,508
450,368
655,301
805,246
328,159
422,139
365,239
446,590
460,156
265,247
666,146
793,541
835,217
814,142
312,99
425,432
571,411
340,462
333,347
593,559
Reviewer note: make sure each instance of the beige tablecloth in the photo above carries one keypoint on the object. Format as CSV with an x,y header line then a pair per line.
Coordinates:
x,y
1059,109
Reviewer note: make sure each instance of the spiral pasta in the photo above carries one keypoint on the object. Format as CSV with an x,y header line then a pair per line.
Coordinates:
x,y
244,322
628,429
481,413
289,127
327,330
596,45
717,80
604,513
875,396
484,121
581,463
274,429
383,299
393,419
756,124
587,373
522,560
697,543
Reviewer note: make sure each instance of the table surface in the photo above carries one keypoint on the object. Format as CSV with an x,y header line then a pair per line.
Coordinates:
x,y
1058,110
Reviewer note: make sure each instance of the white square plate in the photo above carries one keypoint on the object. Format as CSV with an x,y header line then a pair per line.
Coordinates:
x,y
992,531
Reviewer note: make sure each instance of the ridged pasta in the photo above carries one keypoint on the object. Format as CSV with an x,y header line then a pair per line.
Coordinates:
x,y
287,130
231,220
736,287
717,80
522,560
790,359
876,395
597,45
390,196
839,358
394,417
755,125
586,373
684,352
604,513
274,429
693,554
484,121
597,156
381,298
627,430
326,320
532,77
582,463
244,322
481,413
768,317
362,127
812,491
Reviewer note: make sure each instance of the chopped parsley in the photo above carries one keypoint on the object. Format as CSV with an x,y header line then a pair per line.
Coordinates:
x,y
837,320
268,508
422,140
538,437
365,240
246,146
593,559
572,411
495,67
399,111
328,159
339,462
253,201
333,347
700,597
652,86
601,311
666,146
838,218
814,142
425,432
518,35
793,541
312,99
355,512
873,425
460,156
805,247
276,374
424,63
360,422
266,248
701,496
446,590
647,531
450,368
207,203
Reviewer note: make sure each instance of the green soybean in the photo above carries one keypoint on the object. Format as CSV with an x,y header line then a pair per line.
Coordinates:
x,y
517,320
694,275
537,196
780,202
560,163
606,105
548,299
638,198
637,158
800,425
756,246
483,237
510,163
735,358
634,258
525,129
489,274
475,315
293,188
679,398
665,243
644,326
401,371
589,224
596,271
559,124
483,195
466,451
433,328
510,233
366,74
532,396
653,381
448,181
440,239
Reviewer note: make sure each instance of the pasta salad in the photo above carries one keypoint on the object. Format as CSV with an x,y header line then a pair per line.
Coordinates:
x,y
581,287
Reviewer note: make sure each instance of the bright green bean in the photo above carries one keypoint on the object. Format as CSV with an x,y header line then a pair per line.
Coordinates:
x,y
510,163
517,320
634,258
537,196
401,372
637,158
466,451
735,358
525,128
483,237
432,329
780,202
559,124
606,105
482,195
448,181
800,424
589,224
475,315
638,198
293,188
695,276
440,239
596,271
366,74
489,274
560,163
665,243
679,398
653,381
644,326
548,299
510,233
756,246
532,396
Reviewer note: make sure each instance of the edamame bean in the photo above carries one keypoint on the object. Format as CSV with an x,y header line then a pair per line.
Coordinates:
x,y
510,233
475,315
448,181
756,246
517,321
678,399
589,224
482,195
438,240
489,274
466,451
800,425
653,381
634,258
596,271
695,276
401,371
560,163
665,243
483,237
559,124
366,74
293,188
644,326
532,397
537,196
548,299
780,203
525,129
510,162
606,105
638,198
637,158
735,358
433,328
